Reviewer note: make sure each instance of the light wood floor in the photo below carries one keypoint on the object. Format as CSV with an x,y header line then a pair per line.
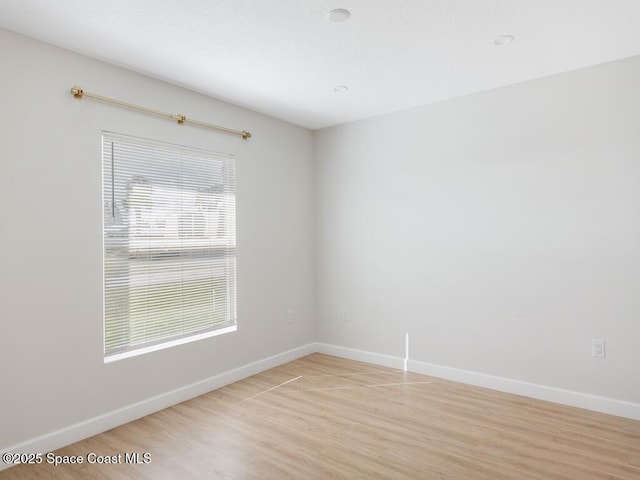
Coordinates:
x,y
322,417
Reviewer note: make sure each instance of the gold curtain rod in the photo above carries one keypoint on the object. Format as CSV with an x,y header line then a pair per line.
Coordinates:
x,y
79,93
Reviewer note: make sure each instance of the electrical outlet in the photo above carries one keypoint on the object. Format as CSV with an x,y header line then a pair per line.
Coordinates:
x,y
290,317
345,315
597,348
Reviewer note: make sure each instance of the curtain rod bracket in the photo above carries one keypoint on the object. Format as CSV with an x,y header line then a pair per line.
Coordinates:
x,y
78,92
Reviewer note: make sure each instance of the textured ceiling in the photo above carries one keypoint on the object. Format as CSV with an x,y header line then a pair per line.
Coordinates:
x,y
284,57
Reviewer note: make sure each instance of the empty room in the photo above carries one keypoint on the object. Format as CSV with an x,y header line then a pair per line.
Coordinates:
x,y
310,239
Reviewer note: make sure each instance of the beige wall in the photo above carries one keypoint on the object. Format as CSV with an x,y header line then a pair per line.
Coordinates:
x,y
52,373
500,231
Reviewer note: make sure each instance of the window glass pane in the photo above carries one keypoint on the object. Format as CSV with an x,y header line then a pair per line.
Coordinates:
x,y
169,242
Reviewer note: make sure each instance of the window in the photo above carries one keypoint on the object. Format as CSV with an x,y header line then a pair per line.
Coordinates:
x,y
169,244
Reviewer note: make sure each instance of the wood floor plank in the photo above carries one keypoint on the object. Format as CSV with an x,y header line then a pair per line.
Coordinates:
x,y
322,417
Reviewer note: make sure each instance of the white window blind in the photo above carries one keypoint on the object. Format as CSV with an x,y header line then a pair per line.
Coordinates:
x,y
169,244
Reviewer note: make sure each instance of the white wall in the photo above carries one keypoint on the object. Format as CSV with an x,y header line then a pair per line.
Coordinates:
x,y
52,373
500,230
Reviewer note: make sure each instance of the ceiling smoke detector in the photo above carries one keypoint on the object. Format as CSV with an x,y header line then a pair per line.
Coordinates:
x,y
503,40
338,15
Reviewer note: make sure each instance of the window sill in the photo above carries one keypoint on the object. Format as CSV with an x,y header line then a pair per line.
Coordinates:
x,y
171,343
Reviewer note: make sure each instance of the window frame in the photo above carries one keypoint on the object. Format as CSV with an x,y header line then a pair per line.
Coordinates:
x,y
203,248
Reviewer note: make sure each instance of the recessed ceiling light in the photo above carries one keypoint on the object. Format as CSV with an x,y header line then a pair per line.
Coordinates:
x,y
503,40
338,15
340,88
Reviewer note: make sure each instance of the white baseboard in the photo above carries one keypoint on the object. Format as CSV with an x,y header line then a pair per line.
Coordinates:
x,y
360,355
502,384
79,431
